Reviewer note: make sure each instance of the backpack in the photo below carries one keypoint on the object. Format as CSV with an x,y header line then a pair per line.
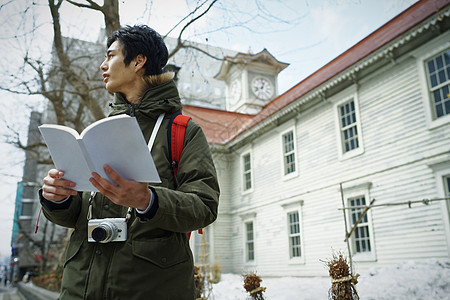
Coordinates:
x,y
175,138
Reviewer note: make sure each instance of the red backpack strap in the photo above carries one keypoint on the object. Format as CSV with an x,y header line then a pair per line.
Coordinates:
x,y
175,137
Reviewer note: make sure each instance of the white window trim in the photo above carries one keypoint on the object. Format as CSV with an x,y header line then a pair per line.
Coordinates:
x,y
247,218
346,155
441,170
295,173
423,54
353,192
295,206
242,178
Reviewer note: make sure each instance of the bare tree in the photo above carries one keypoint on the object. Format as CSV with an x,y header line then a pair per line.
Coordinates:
x,y
109,9
67,82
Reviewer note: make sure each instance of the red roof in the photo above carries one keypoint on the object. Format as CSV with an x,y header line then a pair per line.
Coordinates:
x,y
220,126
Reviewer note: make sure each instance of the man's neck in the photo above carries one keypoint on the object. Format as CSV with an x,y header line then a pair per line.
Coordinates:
x,y
134,95
133,100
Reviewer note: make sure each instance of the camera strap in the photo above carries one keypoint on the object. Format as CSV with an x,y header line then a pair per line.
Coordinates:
x,y
89,214
150,146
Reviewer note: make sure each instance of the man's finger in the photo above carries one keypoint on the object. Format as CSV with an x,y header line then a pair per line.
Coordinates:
x,y
103,185
55,173
119,180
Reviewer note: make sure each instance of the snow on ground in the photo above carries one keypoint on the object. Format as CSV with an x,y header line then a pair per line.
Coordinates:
x,y
424,280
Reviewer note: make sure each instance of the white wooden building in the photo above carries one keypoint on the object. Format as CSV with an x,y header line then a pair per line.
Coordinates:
x,y
373,124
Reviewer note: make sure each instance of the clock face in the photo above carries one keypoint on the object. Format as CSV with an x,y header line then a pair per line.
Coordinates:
x,y
235,91
262,88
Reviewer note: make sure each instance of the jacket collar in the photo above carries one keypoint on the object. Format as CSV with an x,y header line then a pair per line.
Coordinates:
x,y
161,97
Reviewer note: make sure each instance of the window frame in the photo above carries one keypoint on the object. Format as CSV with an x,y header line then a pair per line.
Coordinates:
x,y
247,242
354,215
246,218
244,172
439,86
441,170
293,248
27,209
339,130
446,185
352,192
422,54
446,192
289,208
294,152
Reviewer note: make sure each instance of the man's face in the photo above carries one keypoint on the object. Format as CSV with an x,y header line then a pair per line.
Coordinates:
x,y
118,77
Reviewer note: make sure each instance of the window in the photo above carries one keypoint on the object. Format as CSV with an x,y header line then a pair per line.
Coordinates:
x,y
295,242
438,73
294,235
247,172
361,236
249,242
441,170
348,126
447,192
27,208
289,152
447,185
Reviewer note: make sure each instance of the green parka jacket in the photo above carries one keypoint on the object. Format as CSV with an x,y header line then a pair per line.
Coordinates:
x,y
155,262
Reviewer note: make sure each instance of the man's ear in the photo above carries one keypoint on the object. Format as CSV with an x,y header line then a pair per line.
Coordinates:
x,y
140,62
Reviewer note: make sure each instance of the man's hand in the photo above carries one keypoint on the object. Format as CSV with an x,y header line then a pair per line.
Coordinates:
x,y
56,188
127,193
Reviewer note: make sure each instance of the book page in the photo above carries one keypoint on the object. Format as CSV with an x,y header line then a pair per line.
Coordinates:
x,y
98,123
118,141
67,155
72,131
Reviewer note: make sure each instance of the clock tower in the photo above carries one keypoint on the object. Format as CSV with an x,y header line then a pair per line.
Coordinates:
x,y
251,80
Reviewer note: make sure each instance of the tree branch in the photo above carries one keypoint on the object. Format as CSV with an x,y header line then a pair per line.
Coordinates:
x,y
182,20
196,18
93,5
180,44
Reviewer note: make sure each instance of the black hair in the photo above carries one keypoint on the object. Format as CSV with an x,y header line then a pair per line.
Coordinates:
x,y
141,39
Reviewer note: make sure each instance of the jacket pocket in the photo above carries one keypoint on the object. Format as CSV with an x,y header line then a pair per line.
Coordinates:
x,y
163,252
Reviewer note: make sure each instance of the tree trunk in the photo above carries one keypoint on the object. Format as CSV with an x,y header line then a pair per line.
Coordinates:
x,y
78,83
110,11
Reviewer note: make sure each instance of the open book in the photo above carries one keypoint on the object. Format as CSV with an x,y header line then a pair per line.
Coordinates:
x,y
117,141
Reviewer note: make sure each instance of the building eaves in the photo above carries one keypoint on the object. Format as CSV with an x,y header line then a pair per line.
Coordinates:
x,y
378,45
219,126
374,47
248,58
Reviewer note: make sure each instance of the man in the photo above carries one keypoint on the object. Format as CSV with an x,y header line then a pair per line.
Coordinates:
x,y
155,261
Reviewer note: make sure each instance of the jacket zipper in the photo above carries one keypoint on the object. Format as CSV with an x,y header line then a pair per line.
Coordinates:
x,y
132,109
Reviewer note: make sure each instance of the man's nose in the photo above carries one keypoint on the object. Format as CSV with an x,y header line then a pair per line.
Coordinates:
x,y
103,66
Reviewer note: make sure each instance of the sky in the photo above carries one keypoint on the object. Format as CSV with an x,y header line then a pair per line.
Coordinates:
x,y
307,34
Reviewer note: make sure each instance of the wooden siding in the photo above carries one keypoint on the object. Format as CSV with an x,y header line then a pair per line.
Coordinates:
x,y
398,147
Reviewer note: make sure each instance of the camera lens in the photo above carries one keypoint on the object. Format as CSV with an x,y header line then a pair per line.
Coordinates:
x,y
104,232
99,234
